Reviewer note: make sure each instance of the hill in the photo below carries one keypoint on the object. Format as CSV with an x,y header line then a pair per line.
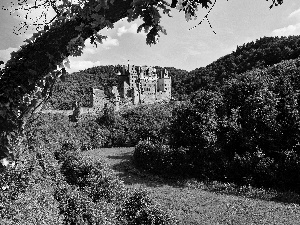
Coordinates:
x,y
77,86
262,53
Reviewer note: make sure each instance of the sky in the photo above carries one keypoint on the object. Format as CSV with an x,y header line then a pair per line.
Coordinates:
x,y
233,22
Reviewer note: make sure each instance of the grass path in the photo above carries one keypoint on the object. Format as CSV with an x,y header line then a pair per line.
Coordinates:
x,y
194,205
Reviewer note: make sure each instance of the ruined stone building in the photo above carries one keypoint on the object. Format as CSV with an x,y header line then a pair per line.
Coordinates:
x,y
136,85
142,84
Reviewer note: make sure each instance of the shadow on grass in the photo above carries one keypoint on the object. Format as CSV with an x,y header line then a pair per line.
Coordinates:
x,y
127,172
247,191
130,175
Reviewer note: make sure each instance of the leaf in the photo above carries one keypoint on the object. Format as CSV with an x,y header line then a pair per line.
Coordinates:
x,y
98,7
26,100
67,63
38,94
28,41
34,101
3,112
33,72
63,78
79,28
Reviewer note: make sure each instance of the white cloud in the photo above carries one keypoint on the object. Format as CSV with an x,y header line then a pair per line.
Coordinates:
x,y
286,31
76,65
132,29
91,49
109,42
296,14
5,53
292,29
121,31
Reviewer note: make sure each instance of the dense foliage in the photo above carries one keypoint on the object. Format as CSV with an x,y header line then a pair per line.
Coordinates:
x,y
136,124
262,53
246,131
56,183
77,87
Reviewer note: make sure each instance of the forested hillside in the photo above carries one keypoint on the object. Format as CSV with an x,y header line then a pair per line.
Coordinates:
x,y
262,53
77,86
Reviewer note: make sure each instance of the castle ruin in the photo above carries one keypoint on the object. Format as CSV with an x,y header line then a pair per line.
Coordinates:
x,y
142,84
136,85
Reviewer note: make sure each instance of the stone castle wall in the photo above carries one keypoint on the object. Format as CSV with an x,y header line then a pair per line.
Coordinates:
x,y
136,85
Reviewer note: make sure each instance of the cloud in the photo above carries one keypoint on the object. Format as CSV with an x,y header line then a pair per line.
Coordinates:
x,y
77,65
286,31
132,29
5,53
109,42
296,13
291,29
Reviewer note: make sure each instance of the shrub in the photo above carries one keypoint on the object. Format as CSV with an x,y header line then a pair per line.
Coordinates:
x,y
161,159
27,189
288,176
139,209
35,206
93,176
66,149
134,125
78,208
195,124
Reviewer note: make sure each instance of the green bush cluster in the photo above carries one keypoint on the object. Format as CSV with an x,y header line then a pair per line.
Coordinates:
x,y
138,208
245,131
134,125
27,189
99,197
161,159
54,182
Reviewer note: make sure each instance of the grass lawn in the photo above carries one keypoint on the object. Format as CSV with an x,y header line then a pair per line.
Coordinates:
x,y
193,202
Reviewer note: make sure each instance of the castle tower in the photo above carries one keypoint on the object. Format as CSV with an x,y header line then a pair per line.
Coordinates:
x,y
164,85
143,84
116,98
98,98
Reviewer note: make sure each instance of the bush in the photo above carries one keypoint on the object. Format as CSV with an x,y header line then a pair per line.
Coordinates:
x,y
134,125
92,176
161,159
66,149
35,206
139,209
27,189
78,208
195,124
288,176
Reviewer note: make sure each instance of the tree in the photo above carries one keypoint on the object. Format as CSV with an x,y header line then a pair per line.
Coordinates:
x,y
28,77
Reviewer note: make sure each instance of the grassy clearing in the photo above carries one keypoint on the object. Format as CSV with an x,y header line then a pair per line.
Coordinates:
x,y
193,202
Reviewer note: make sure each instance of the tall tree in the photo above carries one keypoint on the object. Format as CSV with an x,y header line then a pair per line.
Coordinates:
x,y
28,77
